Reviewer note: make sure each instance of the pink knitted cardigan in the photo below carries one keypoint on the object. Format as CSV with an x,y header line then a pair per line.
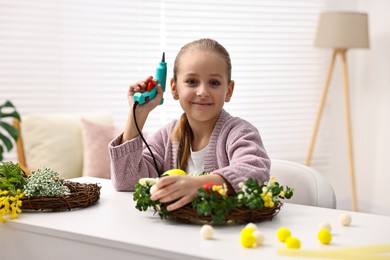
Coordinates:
x,y
235,151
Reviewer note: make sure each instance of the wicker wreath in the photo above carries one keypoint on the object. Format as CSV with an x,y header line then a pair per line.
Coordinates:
x,y
81,196
188,214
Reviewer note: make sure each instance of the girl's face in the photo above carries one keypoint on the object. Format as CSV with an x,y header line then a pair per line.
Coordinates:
x,y
202,85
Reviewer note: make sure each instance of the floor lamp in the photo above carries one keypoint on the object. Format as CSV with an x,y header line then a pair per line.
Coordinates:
x,y
340,31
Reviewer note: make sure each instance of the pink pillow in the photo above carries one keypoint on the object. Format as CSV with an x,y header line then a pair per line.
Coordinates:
x,y
96,161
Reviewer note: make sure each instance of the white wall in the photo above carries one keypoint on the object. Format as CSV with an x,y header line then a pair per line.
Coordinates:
x,y
369,74
372,111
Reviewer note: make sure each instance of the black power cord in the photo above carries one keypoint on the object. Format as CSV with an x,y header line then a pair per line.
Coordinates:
x,y
143,139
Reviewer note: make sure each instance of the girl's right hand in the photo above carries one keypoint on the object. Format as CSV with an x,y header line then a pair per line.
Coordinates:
x,y
142,111
141,86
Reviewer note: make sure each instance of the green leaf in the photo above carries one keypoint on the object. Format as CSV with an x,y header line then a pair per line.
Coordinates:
x,y
289,193
212,204
6,141
10,129
12,177
13,114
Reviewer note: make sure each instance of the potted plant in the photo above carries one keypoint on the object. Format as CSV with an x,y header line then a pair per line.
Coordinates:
x,y
8,133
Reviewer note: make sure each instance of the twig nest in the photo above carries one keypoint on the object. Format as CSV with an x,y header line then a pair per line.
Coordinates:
x,y
325,225
212,205
345,219
207,232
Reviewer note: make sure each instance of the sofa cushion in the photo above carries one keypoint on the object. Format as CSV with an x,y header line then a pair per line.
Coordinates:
x,y
96,137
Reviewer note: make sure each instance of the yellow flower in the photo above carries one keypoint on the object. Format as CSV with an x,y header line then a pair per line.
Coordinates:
x,y
10,205
13,216
222,192
219,189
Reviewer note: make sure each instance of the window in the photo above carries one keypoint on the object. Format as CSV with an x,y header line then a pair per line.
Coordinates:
x,y
71,56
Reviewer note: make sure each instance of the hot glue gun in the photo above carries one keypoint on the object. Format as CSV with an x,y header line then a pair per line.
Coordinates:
x,y
151,92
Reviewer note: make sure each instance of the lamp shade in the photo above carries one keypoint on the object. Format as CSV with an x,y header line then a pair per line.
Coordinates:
x,y
342,30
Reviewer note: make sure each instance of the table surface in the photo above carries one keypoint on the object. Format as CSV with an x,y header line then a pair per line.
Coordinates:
x,y
115,222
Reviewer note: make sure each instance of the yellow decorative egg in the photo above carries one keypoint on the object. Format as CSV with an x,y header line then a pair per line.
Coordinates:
x,y
293,242
283,233
324,236
247,230
174,172
247,238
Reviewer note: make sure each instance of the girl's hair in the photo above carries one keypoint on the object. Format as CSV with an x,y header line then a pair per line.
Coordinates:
x,y
183,132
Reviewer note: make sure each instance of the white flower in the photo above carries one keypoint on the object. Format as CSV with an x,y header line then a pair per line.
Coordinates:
x,y
45,182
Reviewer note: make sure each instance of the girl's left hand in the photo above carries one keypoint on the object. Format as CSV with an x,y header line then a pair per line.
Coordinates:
x,y
177,187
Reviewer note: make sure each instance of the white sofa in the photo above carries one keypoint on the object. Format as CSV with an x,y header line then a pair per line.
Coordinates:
x,y
73,145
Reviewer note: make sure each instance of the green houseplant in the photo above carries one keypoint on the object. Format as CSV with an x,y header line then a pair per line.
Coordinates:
x,y
8,133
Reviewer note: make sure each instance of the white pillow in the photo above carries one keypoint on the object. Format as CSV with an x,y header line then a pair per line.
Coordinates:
x,y
55,141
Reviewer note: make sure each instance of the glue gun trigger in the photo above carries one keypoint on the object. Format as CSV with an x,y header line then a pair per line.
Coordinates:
x,y
151,85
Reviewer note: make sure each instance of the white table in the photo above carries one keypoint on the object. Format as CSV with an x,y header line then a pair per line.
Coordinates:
x,y
115,229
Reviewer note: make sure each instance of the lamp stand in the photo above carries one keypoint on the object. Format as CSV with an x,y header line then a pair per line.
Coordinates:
x,y
343,53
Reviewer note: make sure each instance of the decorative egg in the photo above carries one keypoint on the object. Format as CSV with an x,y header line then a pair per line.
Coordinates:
x,y
259,237
283,233
174,172
251,225
345,219
153,189
325,225
207,232
247,239
293,242
324,236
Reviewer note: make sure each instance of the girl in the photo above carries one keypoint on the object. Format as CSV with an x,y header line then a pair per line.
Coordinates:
x,y
205,139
